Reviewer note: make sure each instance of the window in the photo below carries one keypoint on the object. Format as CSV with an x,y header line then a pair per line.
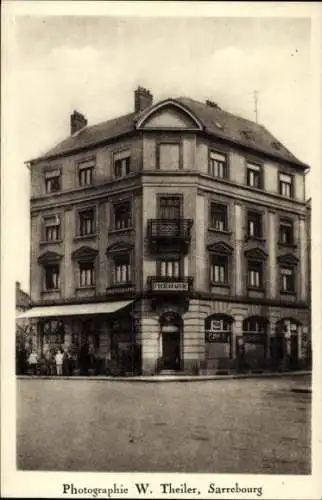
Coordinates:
x,y
254,225
286,232
254,175
170,268
122,215
122,164
52,228
52,281
287,279
218,217
122,269
169,156
52,181
219,325
217,165
170,207
87,222
53,332
219,269
85,173
255,274
286,185
253,325
86,274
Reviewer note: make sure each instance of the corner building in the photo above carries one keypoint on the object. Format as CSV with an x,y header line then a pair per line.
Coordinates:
x,y
176,234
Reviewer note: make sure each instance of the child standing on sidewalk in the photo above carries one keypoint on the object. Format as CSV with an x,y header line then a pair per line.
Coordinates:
x,y
59,358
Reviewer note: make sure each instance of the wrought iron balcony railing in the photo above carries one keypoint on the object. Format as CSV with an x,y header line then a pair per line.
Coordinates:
x,y
120,288
169,231
169,284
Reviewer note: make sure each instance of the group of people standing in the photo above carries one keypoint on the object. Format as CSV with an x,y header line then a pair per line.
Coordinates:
x,y
61,362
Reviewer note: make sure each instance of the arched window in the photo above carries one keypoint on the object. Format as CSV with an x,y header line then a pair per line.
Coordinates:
x,y
218,328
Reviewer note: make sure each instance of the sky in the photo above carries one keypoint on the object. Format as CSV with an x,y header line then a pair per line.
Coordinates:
x,y
56,64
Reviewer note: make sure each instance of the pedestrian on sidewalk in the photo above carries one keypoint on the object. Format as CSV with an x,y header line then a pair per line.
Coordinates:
x,y
59,358
33,361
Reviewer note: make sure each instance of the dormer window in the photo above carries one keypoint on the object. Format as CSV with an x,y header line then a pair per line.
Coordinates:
x,y
52,181
122,164
85,173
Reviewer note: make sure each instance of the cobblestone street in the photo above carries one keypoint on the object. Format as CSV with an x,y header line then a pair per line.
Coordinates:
x,y
219,426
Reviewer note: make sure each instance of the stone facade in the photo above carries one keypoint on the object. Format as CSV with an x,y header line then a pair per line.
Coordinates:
x,y
171,128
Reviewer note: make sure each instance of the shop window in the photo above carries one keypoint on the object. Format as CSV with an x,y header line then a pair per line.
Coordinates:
x,y
286,233
254,175
218,217
53,332
87,222
51,277
52,228
122,215
217,165
254,225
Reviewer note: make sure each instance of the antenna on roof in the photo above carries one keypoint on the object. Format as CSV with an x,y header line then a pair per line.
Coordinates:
x,y
256,105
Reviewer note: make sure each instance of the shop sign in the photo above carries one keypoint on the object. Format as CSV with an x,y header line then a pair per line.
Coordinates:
x,y
173,286
254,338
215,336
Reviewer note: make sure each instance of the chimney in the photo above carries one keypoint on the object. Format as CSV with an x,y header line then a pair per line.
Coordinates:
x,y
142,99
212,104
77,122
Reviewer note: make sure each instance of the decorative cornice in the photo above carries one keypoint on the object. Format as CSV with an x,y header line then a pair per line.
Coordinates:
x,y
84,254
119,247
256,254
288,259
220,247
49,257
169,103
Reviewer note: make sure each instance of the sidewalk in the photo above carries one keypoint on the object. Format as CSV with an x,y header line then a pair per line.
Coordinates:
x,y
170,378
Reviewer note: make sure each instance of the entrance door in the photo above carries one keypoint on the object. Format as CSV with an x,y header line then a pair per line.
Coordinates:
x,y
171,350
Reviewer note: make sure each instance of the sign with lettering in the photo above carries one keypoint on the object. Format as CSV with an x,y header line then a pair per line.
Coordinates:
x,y
215,336
254,338
173,286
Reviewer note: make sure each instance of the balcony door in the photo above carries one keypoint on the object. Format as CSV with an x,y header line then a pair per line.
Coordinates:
x,y
170,207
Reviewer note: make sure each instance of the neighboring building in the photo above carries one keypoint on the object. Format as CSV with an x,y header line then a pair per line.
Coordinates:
x,y
179,228
22,299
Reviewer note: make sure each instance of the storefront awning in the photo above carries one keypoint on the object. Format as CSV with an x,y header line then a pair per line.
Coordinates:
x,y
74,309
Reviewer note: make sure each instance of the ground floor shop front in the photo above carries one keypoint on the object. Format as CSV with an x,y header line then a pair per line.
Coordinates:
x,y
145,337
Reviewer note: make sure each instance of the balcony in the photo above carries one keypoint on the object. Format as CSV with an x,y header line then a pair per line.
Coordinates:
x,y
169,285
169,233
120,289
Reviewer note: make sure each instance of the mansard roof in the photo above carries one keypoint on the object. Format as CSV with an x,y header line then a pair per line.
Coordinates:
x,y
210,119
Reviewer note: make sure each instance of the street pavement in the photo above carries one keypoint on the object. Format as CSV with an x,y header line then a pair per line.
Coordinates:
x,y
220,426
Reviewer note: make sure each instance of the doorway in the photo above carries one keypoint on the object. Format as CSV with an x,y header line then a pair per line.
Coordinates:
x,y
171,349
171,345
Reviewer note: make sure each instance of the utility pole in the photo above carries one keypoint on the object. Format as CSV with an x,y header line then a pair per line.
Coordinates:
x,y
256,105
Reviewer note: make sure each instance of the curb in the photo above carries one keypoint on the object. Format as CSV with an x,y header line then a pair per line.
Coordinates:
x,y
169,378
